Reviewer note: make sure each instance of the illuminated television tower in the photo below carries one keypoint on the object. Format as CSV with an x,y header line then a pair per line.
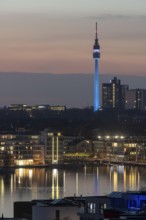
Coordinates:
x,y
96,56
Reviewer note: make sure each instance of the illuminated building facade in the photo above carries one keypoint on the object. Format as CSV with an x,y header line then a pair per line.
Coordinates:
x,y
113,94
53,147
20,150
57,108
31,149
27,108
96,56
121,148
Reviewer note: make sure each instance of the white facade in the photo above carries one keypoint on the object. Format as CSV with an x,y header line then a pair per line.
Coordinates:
x,y
44,212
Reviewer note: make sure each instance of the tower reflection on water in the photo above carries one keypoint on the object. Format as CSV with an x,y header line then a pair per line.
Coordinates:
x,y
29,184
55,184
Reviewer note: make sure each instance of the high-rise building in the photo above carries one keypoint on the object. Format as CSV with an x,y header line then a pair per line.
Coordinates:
x,y
135,99
113,94
96,56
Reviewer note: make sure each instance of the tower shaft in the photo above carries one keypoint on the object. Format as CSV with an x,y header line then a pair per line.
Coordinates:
x,y
96,87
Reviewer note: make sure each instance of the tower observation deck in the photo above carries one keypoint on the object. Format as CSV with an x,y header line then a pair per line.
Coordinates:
x,y
96,56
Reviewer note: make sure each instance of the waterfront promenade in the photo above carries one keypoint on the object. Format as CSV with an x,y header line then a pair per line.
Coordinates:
x,y
95,161
75,162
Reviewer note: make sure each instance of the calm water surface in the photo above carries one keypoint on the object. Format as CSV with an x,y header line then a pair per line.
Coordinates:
x,y
28,184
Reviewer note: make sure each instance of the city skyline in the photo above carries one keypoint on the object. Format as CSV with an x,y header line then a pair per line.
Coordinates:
x,y
57,37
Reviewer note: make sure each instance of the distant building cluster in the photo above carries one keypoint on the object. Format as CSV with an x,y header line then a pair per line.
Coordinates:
x,y
118,96
33,110
24,107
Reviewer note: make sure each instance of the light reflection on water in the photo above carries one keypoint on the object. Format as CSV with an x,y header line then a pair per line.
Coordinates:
x,y
29,184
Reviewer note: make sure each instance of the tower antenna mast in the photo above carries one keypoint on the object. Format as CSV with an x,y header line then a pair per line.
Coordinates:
x,y
96,30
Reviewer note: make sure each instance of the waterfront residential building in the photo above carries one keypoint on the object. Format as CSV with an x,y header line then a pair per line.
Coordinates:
x,y
120,148
20,150
113,94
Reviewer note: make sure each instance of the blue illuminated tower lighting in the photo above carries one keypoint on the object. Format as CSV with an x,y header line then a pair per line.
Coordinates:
x,y
96,56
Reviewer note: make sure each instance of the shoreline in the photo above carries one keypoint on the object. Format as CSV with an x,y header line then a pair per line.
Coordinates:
x,y
75,164
42,166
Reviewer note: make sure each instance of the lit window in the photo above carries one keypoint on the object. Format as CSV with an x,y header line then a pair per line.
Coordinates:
x,y
91,208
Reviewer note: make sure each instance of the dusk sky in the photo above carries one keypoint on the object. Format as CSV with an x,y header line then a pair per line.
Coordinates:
x,y
53,36
56,37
